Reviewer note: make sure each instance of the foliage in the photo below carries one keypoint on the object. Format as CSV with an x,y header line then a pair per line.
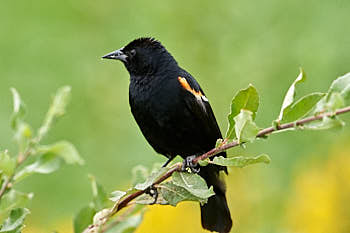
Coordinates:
x,y
98,216
185,186
32,157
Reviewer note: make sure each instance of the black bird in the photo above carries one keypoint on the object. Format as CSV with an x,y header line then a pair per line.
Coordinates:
x,y
174,116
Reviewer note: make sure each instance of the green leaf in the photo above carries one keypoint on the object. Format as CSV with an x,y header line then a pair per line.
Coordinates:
x,y
117,195
335,102
23,134
289,98
204,162
330,103
146,199
193,183
18,109
300,108
325,123
342,86
338,96
14,223
22,130
63,149
84,218
7,164
99,195
246,130
183,187
174,194
50,160
247,99
127,225
56,110
139,174
240,161
11,200
90,214
151,179
46,164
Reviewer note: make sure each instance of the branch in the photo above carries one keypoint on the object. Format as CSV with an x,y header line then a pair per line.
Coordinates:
x,y
7,184
269,130
177,167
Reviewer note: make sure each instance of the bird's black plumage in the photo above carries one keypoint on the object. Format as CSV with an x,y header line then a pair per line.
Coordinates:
x,y
174,116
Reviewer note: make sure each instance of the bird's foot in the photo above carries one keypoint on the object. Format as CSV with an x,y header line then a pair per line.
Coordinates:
x,y
188,163
153,192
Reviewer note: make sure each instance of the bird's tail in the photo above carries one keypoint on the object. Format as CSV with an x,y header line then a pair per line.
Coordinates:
x,y
215,213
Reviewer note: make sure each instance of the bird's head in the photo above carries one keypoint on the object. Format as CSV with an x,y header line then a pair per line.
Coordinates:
x,y
143,56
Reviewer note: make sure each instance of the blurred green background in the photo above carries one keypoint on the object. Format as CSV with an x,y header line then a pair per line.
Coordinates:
x,y
226,45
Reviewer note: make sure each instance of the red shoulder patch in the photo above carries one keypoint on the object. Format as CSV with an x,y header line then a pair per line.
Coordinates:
x,y
187,87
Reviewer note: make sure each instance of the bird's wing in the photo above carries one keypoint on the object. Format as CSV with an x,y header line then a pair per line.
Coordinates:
x,y
199,106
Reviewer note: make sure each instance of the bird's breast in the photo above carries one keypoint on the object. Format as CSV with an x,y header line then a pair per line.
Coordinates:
x,y
156,102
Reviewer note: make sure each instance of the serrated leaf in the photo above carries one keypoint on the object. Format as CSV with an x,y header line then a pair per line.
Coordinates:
x,y
127,225
18,109
300,108
117,195
11,200
325,123
14,223
139,174
46,164
174,194
99,195
7,164
289,98
247,99
151,179
193,183
57,109
63,149
246,130
84,218
240,161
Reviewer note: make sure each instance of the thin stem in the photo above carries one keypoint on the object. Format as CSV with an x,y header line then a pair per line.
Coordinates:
x,y
4,187
6,184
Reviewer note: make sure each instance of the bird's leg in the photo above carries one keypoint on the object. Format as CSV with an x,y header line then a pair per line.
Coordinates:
x,y
188,163
153,192
168,161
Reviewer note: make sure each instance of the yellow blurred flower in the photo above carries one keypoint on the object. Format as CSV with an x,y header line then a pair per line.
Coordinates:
x,y
321,199
184,218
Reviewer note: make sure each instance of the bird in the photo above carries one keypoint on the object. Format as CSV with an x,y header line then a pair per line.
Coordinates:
x,y
175,117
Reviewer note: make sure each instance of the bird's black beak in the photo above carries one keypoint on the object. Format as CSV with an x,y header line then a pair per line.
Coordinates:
x,y
117,55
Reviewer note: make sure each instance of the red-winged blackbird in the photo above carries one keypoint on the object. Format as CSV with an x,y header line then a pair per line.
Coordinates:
x,y
174,116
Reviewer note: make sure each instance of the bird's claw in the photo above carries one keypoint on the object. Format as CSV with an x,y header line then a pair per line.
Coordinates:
x,y
188,163
153,192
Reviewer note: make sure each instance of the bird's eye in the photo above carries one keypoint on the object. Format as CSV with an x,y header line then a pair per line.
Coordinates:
x,y
132,52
